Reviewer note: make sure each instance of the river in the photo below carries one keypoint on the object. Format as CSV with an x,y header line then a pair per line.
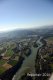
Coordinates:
x,y
29,62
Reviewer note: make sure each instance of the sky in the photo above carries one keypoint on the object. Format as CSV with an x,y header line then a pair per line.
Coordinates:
x,y
24,14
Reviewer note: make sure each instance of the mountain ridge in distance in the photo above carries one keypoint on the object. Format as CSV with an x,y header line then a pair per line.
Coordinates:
x,y
25,32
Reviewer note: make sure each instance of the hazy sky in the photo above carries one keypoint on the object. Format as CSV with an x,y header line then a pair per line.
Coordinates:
x,y
25,13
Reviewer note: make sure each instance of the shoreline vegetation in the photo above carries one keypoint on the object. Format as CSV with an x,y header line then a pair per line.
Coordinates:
x,y
41,64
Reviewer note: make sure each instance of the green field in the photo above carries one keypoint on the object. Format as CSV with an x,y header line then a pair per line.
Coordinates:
x,y
2,69
49,38
13,62
2,62
9,52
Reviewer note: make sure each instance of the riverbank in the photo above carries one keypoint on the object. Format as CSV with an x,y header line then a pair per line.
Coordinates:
x,y
44,61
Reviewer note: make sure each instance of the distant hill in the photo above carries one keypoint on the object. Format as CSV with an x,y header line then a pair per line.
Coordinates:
x,y
47,30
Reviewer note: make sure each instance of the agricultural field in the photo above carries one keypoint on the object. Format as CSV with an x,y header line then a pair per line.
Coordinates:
x,y
9,52
49,40
12,62
2,69
2,62
7,57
